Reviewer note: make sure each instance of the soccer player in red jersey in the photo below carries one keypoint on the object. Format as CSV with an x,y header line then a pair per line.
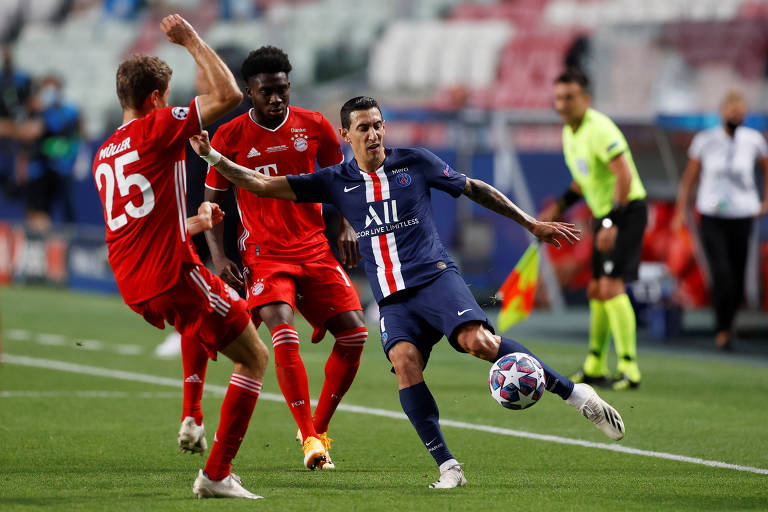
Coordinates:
x,y
140,175
285,252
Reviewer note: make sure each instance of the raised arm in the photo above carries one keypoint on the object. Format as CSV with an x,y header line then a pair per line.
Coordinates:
x,y
224,93
247,179
550,232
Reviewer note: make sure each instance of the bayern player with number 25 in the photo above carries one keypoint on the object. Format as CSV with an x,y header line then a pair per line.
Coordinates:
x,y
385,195
140,175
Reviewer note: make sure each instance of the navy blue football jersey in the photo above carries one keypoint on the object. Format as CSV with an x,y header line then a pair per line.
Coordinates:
x,y
391,212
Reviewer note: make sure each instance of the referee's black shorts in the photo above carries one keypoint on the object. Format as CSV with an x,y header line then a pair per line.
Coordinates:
x,y
624,260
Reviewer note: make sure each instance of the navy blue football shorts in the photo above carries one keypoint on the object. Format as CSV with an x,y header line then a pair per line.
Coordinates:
x,y
422,315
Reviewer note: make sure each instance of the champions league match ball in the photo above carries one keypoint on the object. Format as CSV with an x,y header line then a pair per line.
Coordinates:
x,y
516,381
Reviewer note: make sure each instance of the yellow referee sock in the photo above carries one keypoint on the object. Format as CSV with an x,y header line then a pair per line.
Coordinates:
x,y
596,364
621,318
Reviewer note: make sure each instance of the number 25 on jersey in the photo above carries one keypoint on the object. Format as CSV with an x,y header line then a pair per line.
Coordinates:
x,y
124,184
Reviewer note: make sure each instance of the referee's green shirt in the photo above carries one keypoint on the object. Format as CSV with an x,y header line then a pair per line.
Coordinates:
x,y
587,153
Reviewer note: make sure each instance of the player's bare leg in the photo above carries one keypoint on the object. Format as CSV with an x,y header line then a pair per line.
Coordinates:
x,y
480,342
250,357
292,377
421,409
350,332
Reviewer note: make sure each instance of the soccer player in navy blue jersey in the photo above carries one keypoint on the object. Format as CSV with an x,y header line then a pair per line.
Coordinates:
x,y
385,195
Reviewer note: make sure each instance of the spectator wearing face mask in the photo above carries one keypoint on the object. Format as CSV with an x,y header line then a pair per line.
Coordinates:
x,y
722,160
53,137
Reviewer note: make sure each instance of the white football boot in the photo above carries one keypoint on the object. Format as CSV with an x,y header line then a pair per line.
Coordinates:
x,y
597,410
170,347
450,478
229,487
192,437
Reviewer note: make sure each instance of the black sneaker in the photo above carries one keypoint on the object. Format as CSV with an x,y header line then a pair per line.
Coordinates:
x,y
580,377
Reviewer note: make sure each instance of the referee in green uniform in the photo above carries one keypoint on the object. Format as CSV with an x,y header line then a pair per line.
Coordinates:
x,y
604,174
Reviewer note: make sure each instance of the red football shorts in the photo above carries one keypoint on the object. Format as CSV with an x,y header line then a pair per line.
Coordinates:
x,y
319,289
199,304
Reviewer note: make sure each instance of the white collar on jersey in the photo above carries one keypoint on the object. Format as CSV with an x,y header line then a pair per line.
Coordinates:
x,y
287,113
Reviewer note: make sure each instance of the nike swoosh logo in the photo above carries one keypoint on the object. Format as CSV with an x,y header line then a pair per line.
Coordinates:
x,y
429,443
350,188
462,312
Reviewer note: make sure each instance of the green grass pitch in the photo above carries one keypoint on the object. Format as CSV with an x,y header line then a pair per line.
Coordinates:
x,y
73,441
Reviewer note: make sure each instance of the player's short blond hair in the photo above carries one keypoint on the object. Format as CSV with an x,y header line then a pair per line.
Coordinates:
x,y
138,76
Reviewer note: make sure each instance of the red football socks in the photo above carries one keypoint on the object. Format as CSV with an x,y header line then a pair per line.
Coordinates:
x,y
340,371
194,358
236,411
292,377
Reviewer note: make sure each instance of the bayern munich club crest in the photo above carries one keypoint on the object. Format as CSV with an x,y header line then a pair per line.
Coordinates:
x,y
403,179
300,143
257,287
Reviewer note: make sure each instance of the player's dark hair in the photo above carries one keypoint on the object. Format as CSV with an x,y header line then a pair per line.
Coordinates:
x,y
355,104
138,76
574,76
267,59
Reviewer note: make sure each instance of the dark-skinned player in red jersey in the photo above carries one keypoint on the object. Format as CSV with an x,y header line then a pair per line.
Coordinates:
x,y
285,255
139,172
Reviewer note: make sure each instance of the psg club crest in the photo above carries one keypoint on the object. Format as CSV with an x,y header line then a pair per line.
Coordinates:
x,y
180,113
257,287
300,143
403,179
447,172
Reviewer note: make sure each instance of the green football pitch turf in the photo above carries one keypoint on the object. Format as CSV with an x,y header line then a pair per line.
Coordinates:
x,y
88,421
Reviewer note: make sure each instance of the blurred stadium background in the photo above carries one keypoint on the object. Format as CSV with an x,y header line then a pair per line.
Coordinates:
x,y
470,80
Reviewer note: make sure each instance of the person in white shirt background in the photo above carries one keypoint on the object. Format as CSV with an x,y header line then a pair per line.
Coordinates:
x,y
722,160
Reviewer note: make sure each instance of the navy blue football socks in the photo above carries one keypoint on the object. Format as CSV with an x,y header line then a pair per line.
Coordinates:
x,y
421,408
556,383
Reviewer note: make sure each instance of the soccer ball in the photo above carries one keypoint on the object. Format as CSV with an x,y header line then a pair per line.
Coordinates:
x,y
516,381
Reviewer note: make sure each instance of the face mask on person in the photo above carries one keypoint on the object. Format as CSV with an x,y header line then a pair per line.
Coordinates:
x,y
50,95
732,124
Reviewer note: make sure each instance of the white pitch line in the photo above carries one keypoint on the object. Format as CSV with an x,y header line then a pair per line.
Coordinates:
x,y
89,394
82,344
177,383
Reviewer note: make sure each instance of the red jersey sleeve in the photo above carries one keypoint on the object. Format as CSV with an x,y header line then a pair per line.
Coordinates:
x,y
214,180
329,150
173,126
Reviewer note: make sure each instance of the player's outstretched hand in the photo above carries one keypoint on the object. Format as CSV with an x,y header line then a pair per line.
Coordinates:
x,y
178,30
200,143
349,249
208,215
211,212
228,272
553,232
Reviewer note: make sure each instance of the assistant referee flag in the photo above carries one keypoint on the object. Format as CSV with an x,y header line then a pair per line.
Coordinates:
x,y
517,292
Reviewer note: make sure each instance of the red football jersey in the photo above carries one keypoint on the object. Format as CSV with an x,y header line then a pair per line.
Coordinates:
x,y
141,177
275,228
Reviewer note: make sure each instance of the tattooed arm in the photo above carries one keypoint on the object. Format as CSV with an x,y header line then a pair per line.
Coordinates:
x,y
487,196
247,179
